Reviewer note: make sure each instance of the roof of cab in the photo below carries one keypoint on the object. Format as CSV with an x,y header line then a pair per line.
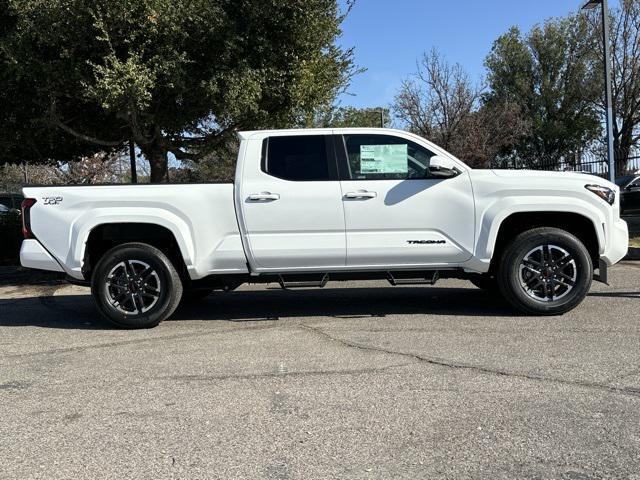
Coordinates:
x,y
314,131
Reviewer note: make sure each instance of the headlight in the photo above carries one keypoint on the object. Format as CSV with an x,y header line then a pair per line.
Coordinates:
x,y
604,193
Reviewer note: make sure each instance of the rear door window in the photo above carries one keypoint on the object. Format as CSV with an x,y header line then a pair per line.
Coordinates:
x,y
299,158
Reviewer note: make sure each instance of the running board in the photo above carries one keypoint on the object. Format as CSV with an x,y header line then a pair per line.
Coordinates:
x,y
303,284
426,280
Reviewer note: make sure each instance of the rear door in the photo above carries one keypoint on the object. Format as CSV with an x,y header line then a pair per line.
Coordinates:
x,y
291,204
396,216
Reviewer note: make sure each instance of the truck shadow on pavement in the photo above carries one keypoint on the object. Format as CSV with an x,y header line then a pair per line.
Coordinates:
x,y
78,311
616,294
276,304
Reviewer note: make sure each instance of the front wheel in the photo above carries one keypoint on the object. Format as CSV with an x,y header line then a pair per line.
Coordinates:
x,y
545,271
135,285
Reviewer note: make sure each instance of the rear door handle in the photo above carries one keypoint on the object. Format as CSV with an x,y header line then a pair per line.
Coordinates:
x,y
361,194
264,196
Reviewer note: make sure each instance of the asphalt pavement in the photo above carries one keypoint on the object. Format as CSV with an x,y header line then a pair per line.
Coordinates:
x,y
357,380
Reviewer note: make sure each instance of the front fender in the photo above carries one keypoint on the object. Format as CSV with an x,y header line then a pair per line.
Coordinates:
x,y
492,218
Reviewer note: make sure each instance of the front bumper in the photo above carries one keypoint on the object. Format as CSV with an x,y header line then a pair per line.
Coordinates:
x,y
34,255
618,243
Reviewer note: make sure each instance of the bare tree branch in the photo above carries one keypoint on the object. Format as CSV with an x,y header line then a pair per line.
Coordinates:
x,y
57,122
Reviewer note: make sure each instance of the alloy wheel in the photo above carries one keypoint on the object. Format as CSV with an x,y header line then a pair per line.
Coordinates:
x,y
548,273
133,287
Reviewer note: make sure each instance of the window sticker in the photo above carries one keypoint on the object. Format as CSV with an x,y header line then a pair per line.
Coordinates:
x,y
384,159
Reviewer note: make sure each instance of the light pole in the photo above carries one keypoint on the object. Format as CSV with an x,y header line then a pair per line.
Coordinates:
x,y
590,5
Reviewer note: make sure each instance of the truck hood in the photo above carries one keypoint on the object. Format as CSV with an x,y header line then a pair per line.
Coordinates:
x,y
559,177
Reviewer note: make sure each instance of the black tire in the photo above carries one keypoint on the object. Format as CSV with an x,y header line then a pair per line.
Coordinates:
x,y
551,288
148,276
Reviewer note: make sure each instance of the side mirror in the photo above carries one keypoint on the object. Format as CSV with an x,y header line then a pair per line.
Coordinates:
x,y
442,167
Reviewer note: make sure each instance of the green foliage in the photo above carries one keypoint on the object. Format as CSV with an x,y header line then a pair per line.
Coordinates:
x,y
24,134
218,165
346,117
175,75
550,74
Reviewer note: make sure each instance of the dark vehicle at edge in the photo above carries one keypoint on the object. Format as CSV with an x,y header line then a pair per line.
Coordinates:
x,y
10,227
629,194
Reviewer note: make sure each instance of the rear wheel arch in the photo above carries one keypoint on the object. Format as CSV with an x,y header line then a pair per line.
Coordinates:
x,y
105,236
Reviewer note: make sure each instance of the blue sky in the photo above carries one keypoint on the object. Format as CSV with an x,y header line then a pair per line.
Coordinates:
x,y
389,36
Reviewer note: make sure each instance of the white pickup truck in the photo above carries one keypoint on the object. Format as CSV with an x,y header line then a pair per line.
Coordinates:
x,y
309,206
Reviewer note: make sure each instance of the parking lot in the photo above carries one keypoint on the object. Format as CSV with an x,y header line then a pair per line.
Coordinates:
x,y
345,382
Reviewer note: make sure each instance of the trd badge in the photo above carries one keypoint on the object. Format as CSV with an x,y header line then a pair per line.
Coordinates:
x,y
52,200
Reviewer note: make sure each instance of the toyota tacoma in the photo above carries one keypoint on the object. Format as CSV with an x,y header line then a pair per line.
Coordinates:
x,y
311,206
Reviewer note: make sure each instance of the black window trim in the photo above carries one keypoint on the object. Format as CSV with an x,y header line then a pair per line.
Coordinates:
x,y
340,144
332,162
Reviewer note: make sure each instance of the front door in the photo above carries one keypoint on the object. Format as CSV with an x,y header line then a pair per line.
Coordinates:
x,y
395,215
291,204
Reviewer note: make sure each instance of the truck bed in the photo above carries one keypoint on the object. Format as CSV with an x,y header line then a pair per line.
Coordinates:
x,y
200,216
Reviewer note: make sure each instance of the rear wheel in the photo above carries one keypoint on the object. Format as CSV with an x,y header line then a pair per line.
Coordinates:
x,y
545,271
136,286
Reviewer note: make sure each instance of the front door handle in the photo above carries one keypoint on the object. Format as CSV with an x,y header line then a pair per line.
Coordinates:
x,y
264,197
361,194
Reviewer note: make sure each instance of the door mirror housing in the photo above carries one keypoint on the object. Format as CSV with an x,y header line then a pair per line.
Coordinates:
x,y
442,167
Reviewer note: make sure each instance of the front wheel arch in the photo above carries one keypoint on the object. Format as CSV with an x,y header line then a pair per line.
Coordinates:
x,y
515,224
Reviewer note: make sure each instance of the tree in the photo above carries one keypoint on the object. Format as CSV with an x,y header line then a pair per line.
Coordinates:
x,y
174,76
217,165
435,102
491,133
24,135
346,117
625,52
549,74
441,104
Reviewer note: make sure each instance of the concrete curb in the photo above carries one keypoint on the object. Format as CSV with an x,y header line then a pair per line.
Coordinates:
x,y
633,254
